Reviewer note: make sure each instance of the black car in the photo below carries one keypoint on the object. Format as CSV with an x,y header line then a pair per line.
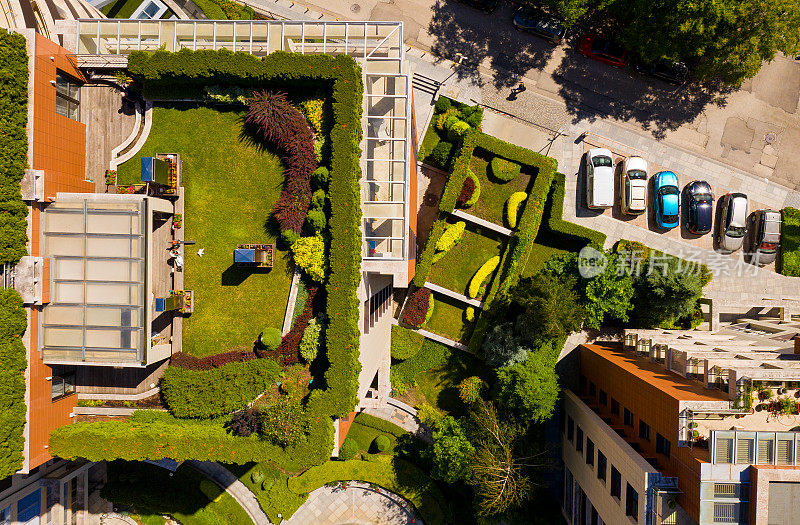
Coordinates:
x,y
487,6
701,207
666,70
540,24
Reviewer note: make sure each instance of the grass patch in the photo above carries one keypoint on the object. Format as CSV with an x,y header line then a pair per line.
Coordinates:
x,y
272,492
429,142
120,8
365,435
494,192
457,267
790,242
405,342
231,185
449,320
149,492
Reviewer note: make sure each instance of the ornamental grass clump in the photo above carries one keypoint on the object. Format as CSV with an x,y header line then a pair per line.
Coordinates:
x,y
512,207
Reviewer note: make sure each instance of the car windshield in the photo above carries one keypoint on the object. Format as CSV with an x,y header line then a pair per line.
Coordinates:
x,y
670,218
600,161
735,232
637,175
702,197
668,190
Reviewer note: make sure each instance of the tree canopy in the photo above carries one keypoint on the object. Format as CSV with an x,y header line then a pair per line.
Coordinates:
x,y
451,451
550,307
530,389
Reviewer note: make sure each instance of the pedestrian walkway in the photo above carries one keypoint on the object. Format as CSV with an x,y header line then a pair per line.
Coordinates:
x,y
455,295
357,503
225,479
402,415
481,222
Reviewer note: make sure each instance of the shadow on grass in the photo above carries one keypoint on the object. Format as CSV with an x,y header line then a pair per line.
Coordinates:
x,y
235,275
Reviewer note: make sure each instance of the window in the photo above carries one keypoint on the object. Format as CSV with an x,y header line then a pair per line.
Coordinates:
x,y
5,515
29,507
614,406
644,430
628,418
63,385
602,397
616,482
68,97
723,450
570,429
579,440
662,445
744,449
589,452
592,389
631,502
601,466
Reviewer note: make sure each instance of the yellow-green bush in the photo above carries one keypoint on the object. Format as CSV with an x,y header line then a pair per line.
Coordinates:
x,y
470,314
504,169
312,110
309,255
481,275
451,237
512,207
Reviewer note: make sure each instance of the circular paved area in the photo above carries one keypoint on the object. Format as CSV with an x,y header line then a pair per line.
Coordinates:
x,y
357,504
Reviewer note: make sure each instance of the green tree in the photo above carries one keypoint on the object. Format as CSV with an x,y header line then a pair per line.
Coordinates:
x,y
666,291
607,295
551,308
530,388
451,452
502,347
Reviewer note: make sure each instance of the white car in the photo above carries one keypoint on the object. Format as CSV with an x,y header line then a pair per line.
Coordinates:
x,y
599,178
633,186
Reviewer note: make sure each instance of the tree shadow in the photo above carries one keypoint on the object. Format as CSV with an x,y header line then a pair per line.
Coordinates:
x,y
469,37
594,90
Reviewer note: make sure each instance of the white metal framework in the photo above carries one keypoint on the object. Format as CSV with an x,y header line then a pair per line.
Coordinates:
x,y
379,48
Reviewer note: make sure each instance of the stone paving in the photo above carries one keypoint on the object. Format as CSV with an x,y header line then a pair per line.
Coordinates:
x,y
225,479
358,503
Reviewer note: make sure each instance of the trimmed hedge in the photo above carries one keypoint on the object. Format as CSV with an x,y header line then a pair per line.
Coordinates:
x,y
449,239
790,242
13,362
405,343
394,474
461,160
431,355
169,75
483,273
557,224
213,393
379,424
505,170
13,146
428,256
512,207
190,362
348,450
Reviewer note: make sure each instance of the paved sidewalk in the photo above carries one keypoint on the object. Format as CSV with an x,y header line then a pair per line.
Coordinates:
x,y
225,479
358,503
402,415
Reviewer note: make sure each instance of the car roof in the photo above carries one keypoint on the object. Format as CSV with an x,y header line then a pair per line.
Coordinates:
x,y
739,203
636,163
669,204
638,191
772,222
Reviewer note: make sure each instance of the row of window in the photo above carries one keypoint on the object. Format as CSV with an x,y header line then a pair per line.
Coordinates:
x,y
575,435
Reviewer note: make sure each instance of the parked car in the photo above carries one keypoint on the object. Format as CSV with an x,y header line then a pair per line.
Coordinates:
x,y
487,6
666,199
765,236
599,178
666,70
633,186
701,207
540,24
604,50
734,221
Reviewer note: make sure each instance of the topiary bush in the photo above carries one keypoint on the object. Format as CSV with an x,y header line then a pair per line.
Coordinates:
x,y
320,177
469,314
512,207
245,422
440,156
348,450
457,130
429,415
504,170
449,239
429,313
475,119
449,122
312,338
269,338
469,390
316,220
442,105
318,200
381,443
309,255
257,476
483,273
288,238
467,191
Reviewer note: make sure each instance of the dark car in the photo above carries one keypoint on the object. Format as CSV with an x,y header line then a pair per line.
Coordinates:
x,y
666,70
540,24
701,207
487,6
603,50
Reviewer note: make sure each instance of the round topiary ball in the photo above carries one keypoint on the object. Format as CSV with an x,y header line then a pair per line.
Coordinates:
x,y
320,177
348,450
257,476
381,443
270,338
442,105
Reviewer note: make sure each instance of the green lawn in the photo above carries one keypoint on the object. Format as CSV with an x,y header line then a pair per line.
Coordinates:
x,y
120,8
494,192
449,320
149,492
789,260
231,186
364,435
457,267
429,142
273,492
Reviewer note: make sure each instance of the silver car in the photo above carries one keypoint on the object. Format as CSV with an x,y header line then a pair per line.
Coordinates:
x,y
765,236
733,225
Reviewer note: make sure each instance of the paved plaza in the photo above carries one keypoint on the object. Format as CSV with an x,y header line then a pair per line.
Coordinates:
x,y
359,503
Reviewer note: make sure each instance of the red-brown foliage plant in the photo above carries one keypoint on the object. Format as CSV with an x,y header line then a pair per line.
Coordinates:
x,y
467,190
417,307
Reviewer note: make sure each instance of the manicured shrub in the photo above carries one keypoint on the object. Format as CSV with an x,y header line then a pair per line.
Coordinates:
x,y
211,393
469,390
191,362
288,352
469,314
481,276
790,242
13,362
379,424
257,477
269,338
461,159
449,122
632,250
442,105
283,423
405,343
431,355
504,170
417,306
381,443
502,347
312,338
309,255
429,415
429,313
451,237
318,200
245,422
321,177
457,130
467,190
428,257
512,207
316,220
289,237
440,156
475,118
312,110
348,450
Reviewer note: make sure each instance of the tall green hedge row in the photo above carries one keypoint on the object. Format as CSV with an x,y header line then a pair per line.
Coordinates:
x,y
219,391
425,259
455,181
13,362
13,145
164,73
557,224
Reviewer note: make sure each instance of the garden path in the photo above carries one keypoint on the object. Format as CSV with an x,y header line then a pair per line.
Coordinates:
x,y
455,295
225,479
358,503
481,222
402,415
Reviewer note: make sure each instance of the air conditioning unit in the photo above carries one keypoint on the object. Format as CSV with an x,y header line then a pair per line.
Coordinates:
x,y
32,185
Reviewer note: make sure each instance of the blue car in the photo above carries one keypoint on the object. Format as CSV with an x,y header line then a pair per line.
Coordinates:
x,y
666,197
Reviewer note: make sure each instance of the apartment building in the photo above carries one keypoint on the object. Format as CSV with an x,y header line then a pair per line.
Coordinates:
x,y
685,427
